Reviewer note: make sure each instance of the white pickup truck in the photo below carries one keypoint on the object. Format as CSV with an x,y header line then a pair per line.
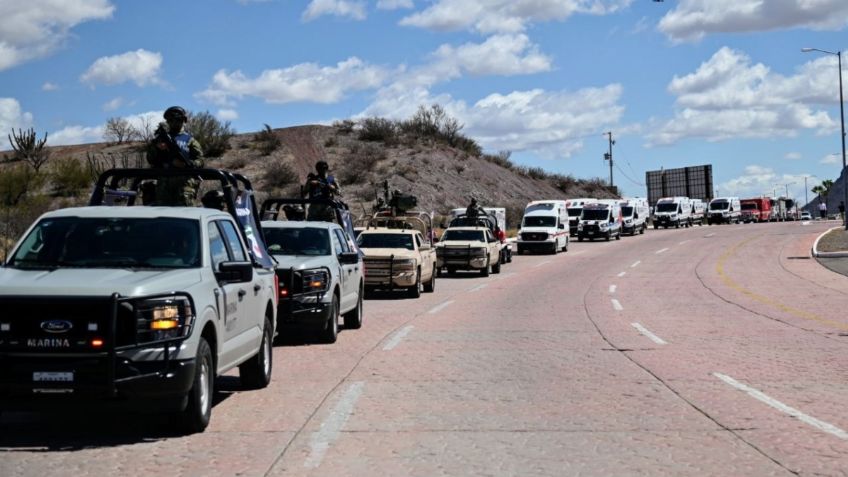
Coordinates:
x,y
469,248
137,305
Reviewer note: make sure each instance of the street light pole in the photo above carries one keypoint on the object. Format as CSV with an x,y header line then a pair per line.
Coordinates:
x,y
608,156
806,200
842,120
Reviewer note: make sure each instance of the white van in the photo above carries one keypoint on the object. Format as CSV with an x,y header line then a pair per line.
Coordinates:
x,y
725,210
672,211
575,206
699,212
543,227
634,214
600,219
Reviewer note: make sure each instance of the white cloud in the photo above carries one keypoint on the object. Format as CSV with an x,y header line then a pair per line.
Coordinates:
x,y
729,97
339,8
549,123
759,180
305,82
831,159
691,20
113,104
48,86
35,28
394,4
504,16
12,117
140,66
498,55
793,156
227,114
70,135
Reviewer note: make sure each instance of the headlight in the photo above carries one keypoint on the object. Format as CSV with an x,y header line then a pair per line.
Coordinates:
x,y
162,319
316,281
603,226
405,264
478,252
673,216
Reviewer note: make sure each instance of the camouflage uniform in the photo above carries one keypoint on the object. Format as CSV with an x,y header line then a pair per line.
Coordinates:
x,y
320,212
182,151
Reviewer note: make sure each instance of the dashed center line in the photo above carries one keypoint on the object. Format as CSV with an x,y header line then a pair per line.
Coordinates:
x,y
331,428
439,308
616,305
661,251
635,264
577,253
542,263
622,274
710,235
612,288
478,288
760,396
681,243
396,339
656,339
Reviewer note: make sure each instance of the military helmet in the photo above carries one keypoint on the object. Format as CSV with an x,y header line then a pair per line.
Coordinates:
x,y
175,112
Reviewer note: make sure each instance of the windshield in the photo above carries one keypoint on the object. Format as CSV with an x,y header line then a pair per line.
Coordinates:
x,y
385,241
719,205
464,235
595,214
749,206
627,211
542,221
667,207
296,241
574,211
110,243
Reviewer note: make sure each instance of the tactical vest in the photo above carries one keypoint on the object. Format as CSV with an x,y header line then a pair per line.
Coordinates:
x,y
182,141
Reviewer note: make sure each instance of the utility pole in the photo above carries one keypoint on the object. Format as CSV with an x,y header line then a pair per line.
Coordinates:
x,y
608,155
806,200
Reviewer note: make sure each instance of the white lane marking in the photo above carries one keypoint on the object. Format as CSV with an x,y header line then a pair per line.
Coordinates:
x,y
635,264
616,305
806,222
395,340
612,288
681,243
656,339
504,276
622,274
542,263
577,253
661,251
710,235
439,308
759,395
331,428
478,288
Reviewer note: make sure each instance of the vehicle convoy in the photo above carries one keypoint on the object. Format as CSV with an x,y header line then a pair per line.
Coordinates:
x,y
543,227
319,268
781,209
574,207
494,220
467,247
725,210
137,305
634,214
672,211
757,209
601,219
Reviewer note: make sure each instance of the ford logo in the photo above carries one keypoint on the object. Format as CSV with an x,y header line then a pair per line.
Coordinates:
x,y
56,326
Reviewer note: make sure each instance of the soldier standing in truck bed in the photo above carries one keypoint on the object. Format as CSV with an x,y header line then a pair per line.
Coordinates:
x,y
174,148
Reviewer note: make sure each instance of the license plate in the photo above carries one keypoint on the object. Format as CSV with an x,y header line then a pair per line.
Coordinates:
x,y
53,377
591,233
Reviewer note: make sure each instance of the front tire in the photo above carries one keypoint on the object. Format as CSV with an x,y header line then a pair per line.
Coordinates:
x,y
496,268
198,411
255,373
331,328
430,285
485,270
353,318
415,290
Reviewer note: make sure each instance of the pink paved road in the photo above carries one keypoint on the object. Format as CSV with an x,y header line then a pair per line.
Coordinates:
x,y
704,351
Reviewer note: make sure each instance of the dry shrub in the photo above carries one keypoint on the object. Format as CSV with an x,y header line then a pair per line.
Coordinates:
x,y
280,174
267,141
359,162
69,177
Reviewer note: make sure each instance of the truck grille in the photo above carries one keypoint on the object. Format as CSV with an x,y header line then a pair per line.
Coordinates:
x,y
534,236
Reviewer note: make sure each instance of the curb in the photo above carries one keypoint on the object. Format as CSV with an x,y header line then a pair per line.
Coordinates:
x,y
818,254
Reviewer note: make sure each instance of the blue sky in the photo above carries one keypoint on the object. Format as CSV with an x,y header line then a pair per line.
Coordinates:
x,y
678,83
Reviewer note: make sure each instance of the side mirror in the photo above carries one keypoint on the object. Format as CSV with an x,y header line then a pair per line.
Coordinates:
x,y
424,246
349,258
234,272
561,226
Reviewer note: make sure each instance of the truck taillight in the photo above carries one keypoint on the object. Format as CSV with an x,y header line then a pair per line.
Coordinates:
x,y
277,287
284,293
